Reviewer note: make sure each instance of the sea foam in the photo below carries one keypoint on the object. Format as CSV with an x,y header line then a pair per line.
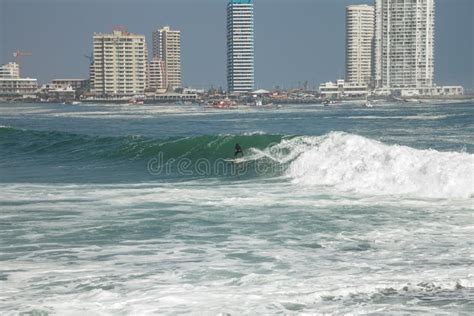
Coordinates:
x,y
357,164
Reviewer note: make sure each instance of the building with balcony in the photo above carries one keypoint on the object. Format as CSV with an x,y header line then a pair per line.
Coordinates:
x,y
342,89
10,71
119,65
18,87
75,84
404,44
240,46
360,23
167,48
156,69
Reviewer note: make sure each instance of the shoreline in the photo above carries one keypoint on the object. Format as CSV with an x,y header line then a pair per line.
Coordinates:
x,y
289,101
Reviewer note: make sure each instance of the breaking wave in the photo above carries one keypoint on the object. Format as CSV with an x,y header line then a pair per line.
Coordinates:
x,y
345,162
358,164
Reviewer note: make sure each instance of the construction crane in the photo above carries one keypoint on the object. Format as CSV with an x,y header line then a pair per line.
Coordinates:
x,y
91,58
18,54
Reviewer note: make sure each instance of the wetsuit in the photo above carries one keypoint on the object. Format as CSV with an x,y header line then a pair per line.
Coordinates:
x,y
238,150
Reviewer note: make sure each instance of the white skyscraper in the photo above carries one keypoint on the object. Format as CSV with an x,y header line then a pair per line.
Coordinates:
x,y
167,47
360,23
240,46
404,44
119,64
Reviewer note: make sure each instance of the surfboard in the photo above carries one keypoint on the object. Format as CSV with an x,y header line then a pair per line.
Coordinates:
x,y
235,160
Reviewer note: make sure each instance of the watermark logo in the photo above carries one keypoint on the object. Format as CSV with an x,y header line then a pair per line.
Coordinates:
x,y
202,167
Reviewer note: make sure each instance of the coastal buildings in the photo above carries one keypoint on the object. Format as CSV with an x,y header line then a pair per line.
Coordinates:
x,y
156,69
56,93
119,64
12,86
404,44
19,87
10,71
433,91
61,90
240,46
167,48
390,51
75,84
342,89
360,22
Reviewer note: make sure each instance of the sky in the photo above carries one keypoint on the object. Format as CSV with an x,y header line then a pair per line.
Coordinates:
x,y
295,40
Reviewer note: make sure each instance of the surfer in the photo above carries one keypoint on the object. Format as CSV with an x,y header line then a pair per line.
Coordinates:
x,y
238,150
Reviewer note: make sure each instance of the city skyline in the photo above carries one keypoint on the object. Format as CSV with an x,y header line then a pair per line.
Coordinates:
x,y
204,65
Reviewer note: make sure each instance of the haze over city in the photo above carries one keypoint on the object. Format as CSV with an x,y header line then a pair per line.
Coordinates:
x,y
294,40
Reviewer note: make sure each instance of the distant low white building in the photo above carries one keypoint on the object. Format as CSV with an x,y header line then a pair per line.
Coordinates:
x,y
434,91
62,93
76,84
18,87
172,97
341,89
193,91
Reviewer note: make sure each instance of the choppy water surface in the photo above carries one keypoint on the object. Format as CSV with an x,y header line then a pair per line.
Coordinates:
x,y
117,209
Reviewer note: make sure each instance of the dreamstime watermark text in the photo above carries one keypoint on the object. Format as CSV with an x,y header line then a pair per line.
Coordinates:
x,y
203,167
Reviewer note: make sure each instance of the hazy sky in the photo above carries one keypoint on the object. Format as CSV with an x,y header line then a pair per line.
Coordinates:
x,y
296,40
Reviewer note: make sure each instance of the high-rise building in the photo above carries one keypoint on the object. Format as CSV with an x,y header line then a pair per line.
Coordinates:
x,y
119,64
360,23
155,74
240,46
404,43
167,47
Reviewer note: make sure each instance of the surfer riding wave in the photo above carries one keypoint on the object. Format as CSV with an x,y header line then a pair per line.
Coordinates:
x,y
238,150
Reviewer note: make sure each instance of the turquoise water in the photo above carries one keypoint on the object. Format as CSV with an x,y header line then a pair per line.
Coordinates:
x,y
117,209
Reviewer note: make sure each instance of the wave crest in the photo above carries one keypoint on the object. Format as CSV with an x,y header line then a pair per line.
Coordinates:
x,y
358,164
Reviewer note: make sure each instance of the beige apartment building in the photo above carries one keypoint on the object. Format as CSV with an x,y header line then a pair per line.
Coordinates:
x,y
119,64
167,47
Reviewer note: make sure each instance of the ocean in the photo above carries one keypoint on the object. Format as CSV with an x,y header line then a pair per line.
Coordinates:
x,y
139,210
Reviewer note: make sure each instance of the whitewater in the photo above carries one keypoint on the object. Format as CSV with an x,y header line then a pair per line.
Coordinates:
x,y
112,209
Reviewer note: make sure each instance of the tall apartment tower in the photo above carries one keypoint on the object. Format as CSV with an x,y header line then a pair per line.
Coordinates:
x,y
404,43
167,47
240,46
119,64
360,25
